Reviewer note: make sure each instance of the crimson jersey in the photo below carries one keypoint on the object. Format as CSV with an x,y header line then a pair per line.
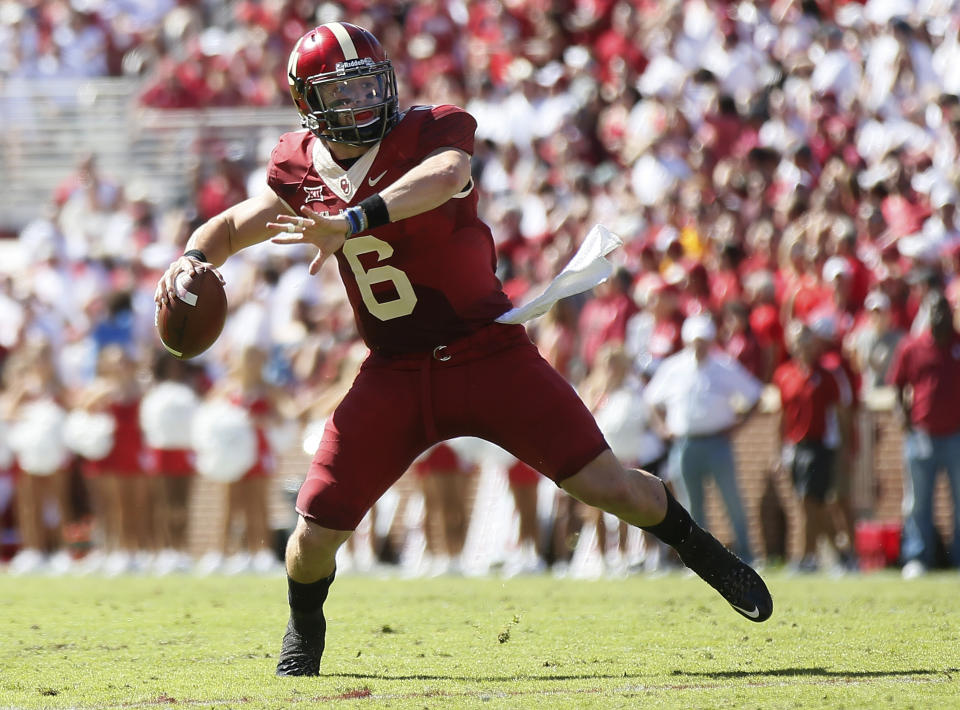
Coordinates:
x,y
933,372
413,284
806,397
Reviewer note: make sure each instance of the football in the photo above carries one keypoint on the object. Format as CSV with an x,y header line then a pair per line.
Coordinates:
x,y
192,322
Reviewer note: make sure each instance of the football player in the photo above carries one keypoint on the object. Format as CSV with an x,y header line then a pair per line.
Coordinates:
x,y
389,194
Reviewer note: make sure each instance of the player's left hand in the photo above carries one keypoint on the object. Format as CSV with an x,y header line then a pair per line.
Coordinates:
x,y
326,232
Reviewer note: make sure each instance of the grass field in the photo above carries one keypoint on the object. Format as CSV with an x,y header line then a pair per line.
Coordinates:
x,y
669,642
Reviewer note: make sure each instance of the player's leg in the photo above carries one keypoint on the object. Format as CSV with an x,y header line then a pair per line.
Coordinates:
x,y
525,406
311,567
641,499
369,441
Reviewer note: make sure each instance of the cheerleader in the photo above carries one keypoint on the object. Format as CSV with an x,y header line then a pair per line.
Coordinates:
x,y
118,487
445,478
247,498
32,406
526,556
166,419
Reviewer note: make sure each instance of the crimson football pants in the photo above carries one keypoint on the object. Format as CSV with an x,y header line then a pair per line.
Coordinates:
x,y
493,385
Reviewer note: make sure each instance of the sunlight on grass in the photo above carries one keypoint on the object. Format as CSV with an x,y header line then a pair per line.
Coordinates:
x,y
870,641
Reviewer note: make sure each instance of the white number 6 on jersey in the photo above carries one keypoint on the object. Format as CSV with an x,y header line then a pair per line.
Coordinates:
x,y
406,299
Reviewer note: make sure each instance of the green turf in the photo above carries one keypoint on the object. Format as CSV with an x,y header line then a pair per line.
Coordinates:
x,y
670,642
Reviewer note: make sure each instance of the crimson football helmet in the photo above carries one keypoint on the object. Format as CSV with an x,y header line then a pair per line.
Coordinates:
x,y
343,84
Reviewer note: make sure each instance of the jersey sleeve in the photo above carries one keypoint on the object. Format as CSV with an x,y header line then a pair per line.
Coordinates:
x,y
288,165
448,127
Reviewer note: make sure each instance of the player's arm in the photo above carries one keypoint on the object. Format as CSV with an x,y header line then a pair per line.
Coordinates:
x,y
237,227
441,175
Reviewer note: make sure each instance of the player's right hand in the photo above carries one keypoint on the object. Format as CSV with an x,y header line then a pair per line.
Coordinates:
x,y
167,285
326,232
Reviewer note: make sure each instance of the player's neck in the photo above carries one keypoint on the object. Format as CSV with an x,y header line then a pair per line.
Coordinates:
x,y
343,152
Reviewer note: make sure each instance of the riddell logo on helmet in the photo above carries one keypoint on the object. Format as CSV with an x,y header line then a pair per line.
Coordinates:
x,y
350,64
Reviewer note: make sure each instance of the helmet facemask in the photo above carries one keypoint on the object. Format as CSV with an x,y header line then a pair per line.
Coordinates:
x,y
356,104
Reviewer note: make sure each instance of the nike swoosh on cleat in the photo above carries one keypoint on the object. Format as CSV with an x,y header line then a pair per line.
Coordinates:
x,y
374,181
754,614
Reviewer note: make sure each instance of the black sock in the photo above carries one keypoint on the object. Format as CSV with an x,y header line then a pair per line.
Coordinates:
x,y
676,524
307,599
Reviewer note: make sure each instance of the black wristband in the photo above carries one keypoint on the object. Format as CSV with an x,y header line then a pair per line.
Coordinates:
x,y
195,254
376,211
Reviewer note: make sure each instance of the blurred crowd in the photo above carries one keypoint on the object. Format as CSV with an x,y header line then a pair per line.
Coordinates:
x,y
767,164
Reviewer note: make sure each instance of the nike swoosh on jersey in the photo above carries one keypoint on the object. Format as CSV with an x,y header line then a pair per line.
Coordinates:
x,y
752,614
374,181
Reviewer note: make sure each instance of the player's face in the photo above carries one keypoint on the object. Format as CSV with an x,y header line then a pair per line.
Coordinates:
x,y
353,94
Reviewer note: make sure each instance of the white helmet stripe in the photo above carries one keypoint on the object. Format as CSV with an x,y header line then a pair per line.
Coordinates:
x,y
343,37
292,62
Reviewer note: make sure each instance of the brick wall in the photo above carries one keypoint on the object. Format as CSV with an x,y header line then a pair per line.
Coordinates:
x,y
876,483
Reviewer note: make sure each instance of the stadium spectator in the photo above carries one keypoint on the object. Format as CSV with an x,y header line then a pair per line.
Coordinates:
x,y
518,400
760,291
700,396
808,393
739,341
604,317
871,344
926,366
654,333
843,438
